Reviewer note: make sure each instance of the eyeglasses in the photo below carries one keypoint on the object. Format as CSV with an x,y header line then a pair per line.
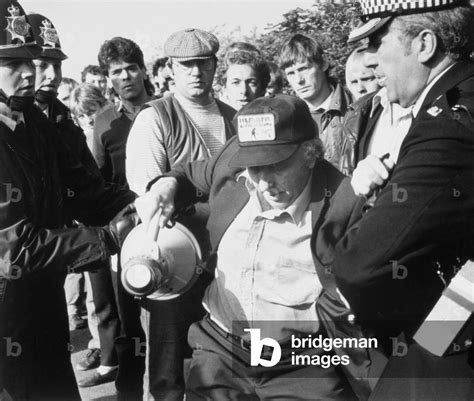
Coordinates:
x,y
205,64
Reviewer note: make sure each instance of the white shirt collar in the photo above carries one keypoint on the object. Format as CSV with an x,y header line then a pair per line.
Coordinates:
x,y
295,210
396,111
324,105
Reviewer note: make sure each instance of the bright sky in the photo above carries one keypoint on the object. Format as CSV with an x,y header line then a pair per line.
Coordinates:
x,y
83,25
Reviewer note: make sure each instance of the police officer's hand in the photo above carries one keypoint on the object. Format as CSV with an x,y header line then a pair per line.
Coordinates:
x,y
120,226
4,396
156,207
370,174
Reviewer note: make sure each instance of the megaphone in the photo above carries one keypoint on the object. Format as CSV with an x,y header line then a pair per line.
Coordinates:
x,y
162,269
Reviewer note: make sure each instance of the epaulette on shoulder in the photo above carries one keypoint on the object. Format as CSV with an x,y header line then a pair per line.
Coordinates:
x,y
459,112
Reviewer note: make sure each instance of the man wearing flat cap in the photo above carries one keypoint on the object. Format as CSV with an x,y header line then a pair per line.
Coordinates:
x,y
270,193
187,125
37,172
394,263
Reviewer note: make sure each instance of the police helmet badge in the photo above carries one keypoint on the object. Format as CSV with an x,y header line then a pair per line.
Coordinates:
x,y
49,34
17,24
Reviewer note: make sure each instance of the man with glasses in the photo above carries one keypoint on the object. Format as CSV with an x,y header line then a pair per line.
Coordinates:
x,y
188,125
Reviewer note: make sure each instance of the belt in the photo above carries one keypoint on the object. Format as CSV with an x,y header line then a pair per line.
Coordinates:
x,y
245,343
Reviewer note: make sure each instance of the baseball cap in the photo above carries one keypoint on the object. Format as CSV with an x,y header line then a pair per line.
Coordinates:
x,y
191,44
270,129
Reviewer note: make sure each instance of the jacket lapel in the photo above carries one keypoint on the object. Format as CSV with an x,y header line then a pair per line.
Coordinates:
x,y
232,199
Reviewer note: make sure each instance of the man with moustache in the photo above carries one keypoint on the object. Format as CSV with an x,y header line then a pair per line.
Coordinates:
x,y
37,172
187,125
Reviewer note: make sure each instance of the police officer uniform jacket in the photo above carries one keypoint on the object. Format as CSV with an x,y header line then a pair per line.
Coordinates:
x,y
40,178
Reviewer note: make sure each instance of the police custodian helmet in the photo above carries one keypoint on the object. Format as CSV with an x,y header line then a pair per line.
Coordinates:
x,y
46,36
16,36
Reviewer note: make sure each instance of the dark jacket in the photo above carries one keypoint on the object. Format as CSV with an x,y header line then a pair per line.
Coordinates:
x,y
72,135
358,123
391,264
111,129
330,127
213,180
40,180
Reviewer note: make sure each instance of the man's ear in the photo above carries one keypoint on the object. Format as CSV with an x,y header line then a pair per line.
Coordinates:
x,y
426,44
169,65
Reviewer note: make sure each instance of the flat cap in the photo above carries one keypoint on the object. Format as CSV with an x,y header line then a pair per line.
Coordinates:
x,y
191,44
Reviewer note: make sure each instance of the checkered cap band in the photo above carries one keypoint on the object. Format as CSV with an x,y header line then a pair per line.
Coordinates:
x,y
384,8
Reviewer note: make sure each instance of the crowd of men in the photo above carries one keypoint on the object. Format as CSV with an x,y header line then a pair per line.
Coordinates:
x,y
336,211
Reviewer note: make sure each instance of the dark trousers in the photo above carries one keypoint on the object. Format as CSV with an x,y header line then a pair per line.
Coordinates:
x,y
107,315
220,370
35,353
166,324
120,332
129,344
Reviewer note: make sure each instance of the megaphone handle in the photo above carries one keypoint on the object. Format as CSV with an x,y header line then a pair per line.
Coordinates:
x,y
154,226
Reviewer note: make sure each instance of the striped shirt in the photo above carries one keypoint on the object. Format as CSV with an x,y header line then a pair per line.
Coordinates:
x,y
146,153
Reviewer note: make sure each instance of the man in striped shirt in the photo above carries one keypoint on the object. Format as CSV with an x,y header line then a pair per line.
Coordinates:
x,y
188,125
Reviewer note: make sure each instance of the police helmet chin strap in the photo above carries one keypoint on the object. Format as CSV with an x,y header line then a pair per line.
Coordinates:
x,y
45,97
16,103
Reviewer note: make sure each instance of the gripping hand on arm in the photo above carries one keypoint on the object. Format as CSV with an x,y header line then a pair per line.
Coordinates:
x,y
370,174
156,207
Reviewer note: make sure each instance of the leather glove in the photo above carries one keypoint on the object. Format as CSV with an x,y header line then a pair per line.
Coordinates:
x,y
119,227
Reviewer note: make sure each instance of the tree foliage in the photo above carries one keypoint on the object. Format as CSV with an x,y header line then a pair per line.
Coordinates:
x,y
326,21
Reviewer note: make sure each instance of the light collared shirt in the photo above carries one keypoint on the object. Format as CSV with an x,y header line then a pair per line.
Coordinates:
x,y
265,270
391,127
324,106
121,108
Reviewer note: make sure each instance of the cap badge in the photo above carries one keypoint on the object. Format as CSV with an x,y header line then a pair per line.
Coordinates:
x,y
17,25
434,111
256,127
49,34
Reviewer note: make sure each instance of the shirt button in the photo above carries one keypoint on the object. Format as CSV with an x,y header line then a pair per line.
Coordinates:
x,y
351,318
